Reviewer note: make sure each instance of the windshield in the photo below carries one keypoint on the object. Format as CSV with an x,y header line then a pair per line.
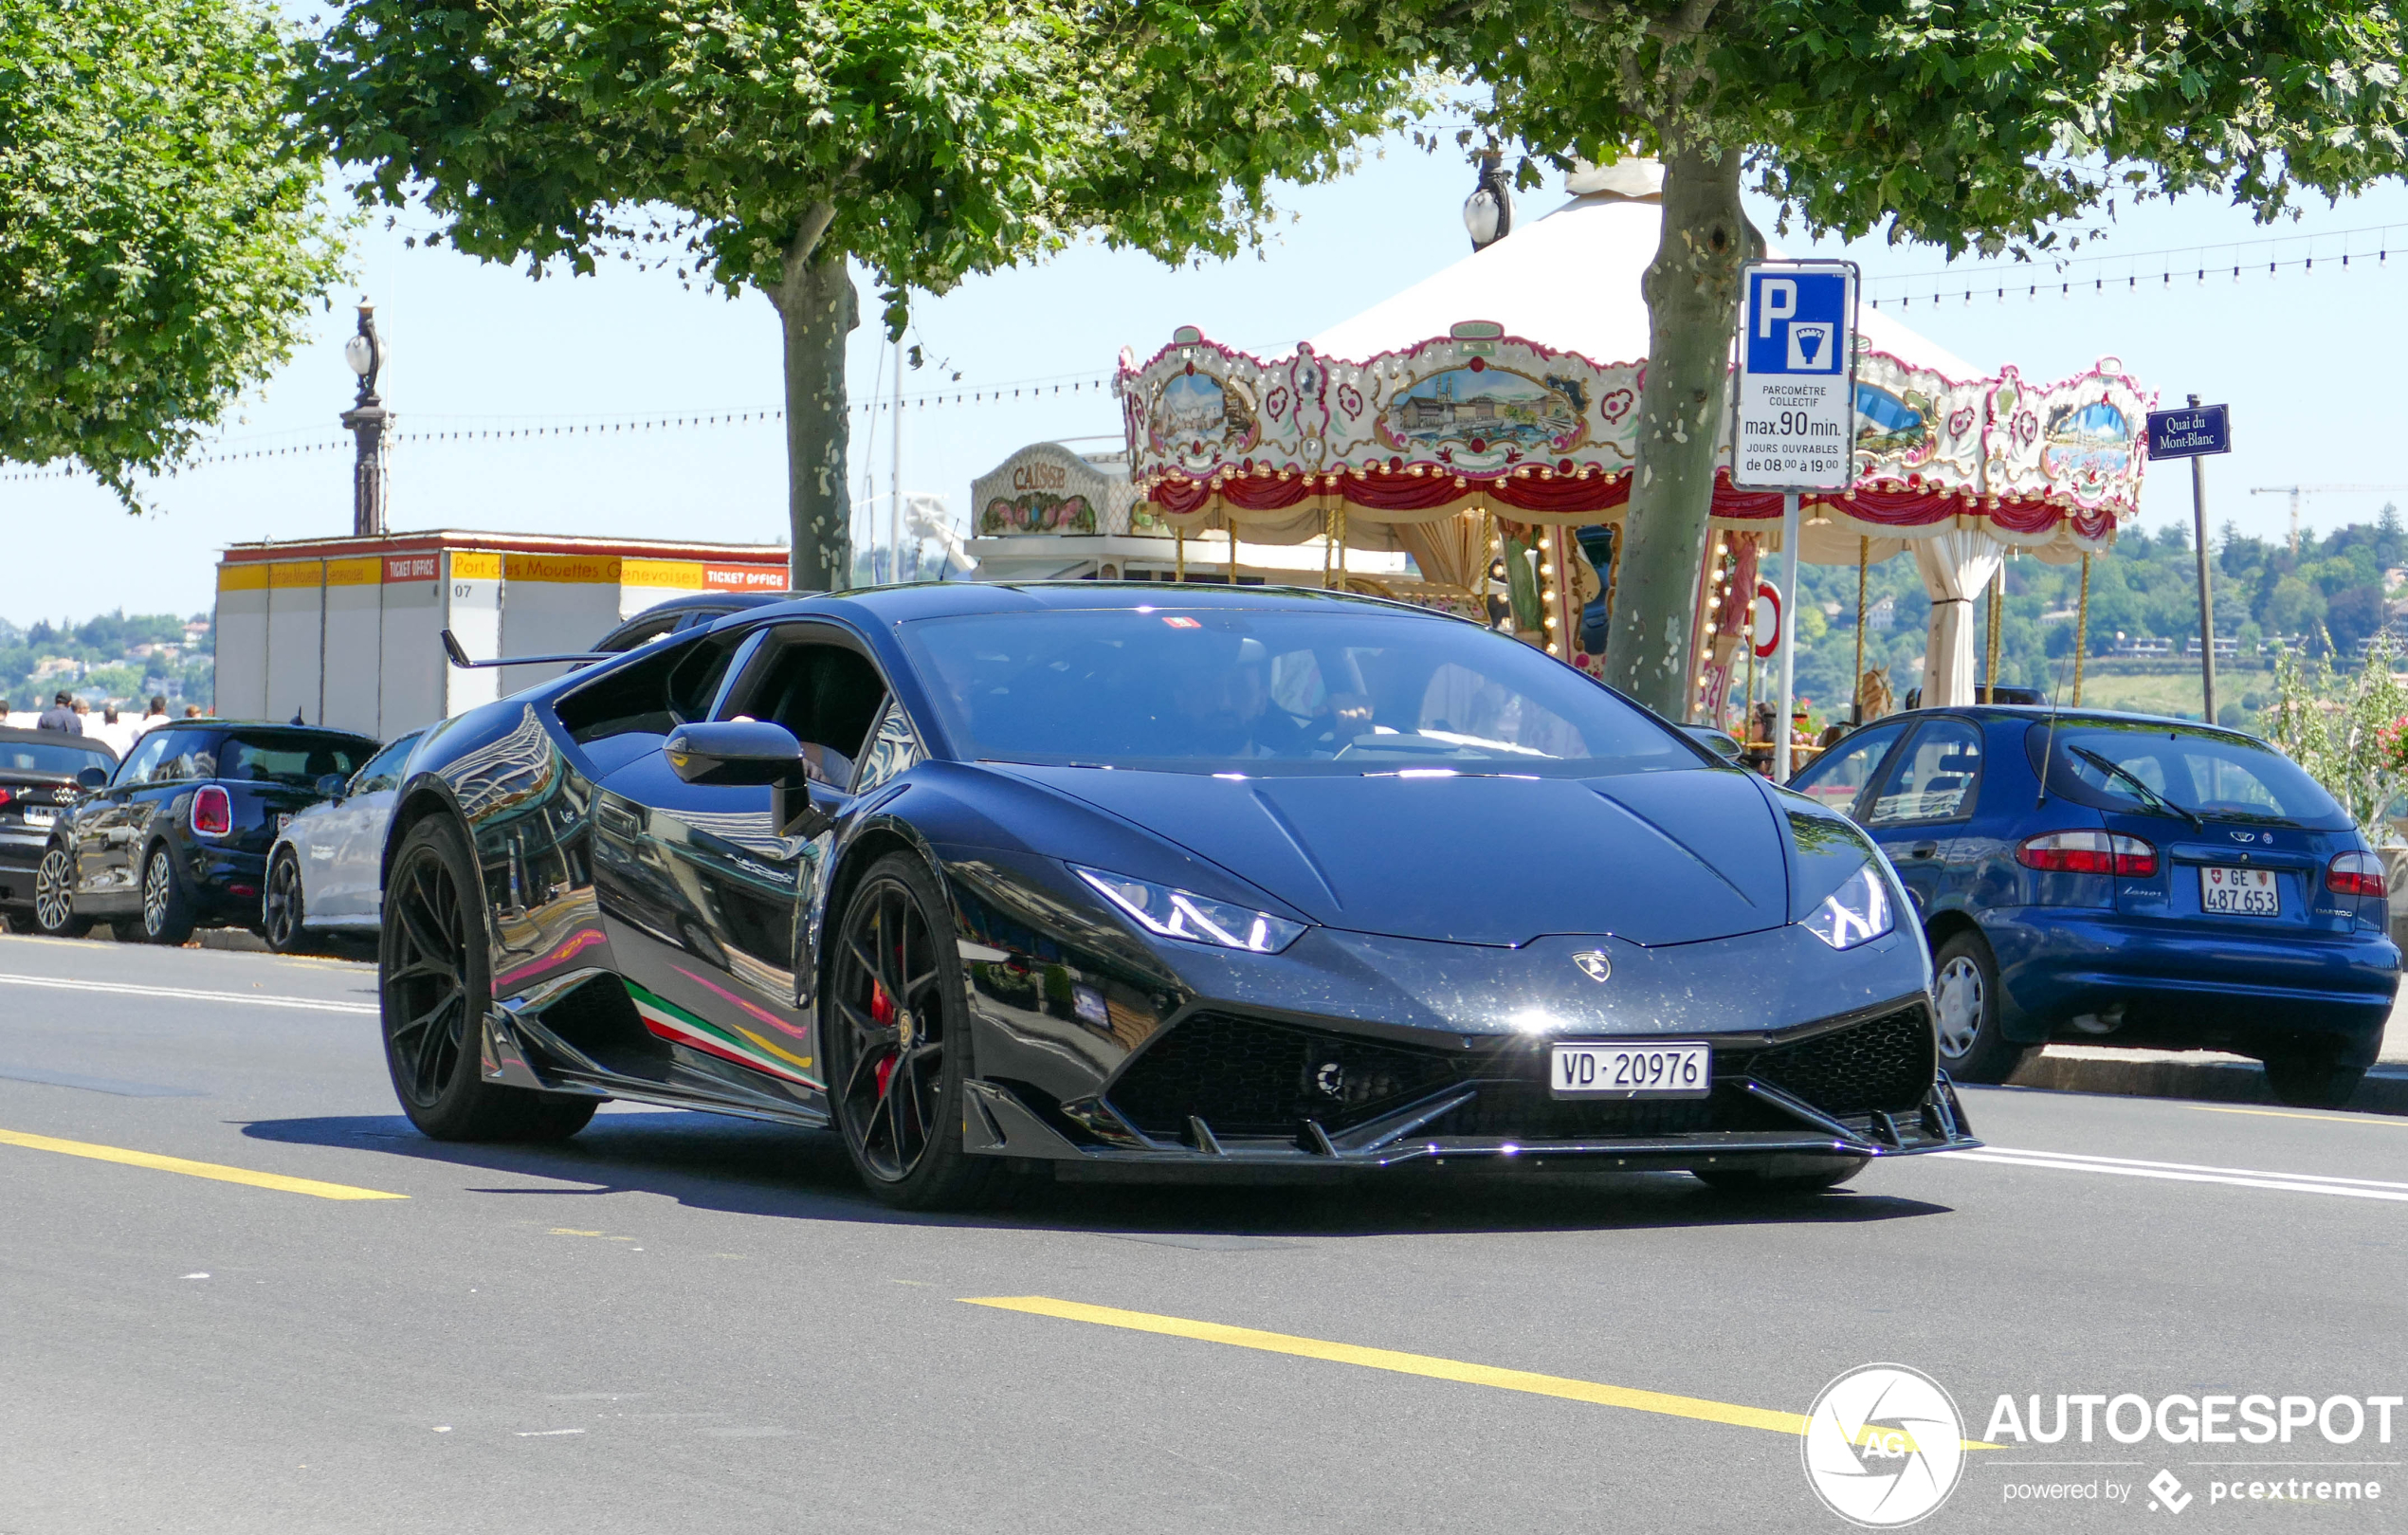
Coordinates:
x,y
2208,773
263,757
1217,690
41,757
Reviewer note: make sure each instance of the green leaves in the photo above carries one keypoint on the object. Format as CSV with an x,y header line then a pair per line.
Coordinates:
x,y
160,233
952,137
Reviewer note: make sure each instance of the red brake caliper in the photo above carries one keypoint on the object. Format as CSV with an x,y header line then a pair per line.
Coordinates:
x,y
882,1011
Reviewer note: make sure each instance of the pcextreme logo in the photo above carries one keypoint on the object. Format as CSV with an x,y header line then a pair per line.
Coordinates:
x,y
1884,1446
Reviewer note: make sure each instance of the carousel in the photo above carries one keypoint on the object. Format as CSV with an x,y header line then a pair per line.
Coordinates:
x,y
1467,445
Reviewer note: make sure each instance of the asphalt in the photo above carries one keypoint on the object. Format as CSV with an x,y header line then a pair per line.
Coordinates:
x,y
678,1322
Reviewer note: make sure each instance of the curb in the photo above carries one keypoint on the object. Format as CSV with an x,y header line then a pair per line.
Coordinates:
x,y
2211,1079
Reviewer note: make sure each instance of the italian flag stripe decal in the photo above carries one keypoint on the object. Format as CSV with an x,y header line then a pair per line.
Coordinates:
x,y
668,1021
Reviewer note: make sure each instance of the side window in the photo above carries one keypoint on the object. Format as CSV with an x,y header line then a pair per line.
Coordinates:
x,y
829,695
1837,776
1935,777
383,771
893,749
143,760
673,683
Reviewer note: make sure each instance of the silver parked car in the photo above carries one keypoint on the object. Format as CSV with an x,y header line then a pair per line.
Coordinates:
x,y
323,874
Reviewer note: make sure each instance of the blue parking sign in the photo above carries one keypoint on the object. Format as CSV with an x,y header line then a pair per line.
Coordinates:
x,y
1797,320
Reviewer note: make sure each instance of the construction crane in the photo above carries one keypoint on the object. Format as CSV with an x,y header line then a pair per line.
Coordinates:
x,y
2295,492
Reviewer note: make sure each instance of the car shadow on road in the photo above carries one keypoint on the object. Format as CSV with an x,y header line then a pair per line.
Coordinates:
x,y
713,1162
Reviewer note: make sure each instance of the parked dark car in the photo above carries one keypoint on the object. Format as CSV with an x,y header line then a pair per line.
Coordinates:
x,y
2175,884
37,786
178,837
1258,882
678,615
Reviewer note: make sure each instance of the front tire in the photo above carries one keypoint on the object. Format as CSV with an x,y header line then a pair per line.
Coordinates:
x,y
1783,1175
898,1042
1973,1044
282,915
167,906
434,986
54,897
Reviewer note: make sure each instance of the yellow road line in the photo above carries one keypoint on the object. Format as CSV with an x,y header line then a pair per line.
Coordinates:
x,y
2294,1114
1422,1365
193,1169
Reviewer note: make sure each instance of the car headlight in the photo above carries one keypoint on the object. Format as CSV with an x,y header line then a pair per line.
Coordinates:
x,y
1182,914
1857,912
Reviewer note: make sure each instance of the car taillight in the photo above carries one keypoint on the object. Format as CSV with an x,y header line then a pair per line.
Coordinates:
x,y
2086,852
2355,874
6,797
213,812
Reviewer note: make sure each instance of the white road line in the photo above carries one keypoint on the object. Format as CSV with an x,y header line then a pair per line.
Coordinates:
x,y
2245,1177
177,994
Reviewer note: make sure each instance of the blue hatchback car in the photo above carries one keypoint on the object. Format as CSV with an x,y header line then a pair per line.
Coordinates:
x,y
2163,884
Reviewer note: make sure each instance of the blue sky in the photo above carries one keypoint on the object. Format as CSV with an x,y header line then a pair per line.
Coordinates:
x,y
2301,358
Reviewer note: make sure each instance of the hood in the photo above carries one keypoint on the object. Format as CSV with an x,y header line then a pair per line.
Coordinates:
x,y
1651,857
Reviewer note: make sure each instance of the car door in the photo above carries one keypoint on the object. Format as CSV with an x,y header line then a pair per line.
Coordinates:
x,y
1923,804
106,824
1839,778
704,894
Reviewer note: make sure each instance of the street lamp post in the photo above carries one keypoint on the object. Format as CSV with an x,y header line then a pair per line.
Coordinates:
x,y
367,420
1487,213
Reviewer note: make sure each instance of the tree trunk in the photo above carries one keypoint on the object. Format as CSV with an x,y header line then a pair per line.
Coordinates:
x,y
818,310
1692,302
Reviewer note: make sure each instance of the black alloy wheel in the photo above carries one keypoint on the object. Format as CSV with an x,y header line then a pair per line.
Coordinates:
x,y
166,908
434,987
281,911
54,896
898,1042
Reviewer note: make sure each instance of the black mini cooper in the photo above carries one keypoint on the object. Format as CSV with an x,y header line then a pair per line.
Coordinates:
x,y
178,837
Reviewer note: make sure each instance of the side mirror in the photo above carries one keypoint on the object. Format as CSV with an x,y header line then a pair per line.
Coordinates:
x,y
92,780
1721,742
735,753
331,786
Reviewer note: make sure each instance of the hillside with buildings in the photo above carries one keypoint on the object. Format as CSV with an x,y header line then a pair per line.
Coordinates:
x,y
116,658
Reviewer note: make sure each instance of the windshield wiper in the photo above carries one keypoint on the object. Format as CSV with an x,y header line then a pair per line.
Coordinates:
x,y
2117,770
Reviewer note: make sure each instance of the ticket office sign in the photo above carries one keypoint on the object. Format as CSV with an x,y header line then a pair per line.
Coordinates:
x,y
1794,406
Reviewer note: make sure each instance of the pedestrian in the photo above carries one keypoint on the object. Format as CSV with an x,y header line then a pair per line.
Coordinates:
x,y
108,714
157,713
191,712
61,716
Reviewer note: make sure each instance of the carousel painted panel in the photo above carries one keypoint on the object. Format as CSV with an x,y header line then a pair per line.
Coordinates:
x,y
1918,426
2079,441
1476,403
1047,488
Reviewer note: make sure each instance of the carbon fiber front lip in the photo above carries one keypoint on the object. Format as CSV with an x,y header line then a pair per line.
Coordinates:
x,y
996,1122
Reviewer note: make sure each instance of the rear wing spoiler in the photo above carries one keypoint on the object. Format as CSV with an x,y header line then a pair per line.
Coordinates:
x,y
460,657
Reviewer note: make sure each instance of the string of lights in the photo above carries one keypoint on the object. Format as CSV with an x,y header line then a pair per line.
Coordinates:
x,y
2368,249
533,428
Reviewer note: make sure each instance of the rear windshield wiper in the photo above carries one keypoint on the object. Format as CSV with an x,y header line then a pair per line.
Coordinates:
x,y
2149,796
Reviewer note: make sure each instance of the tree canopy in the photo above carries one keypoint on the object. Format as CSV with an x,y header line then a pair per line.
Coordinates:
x,y
757,145
161,233
1978,124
